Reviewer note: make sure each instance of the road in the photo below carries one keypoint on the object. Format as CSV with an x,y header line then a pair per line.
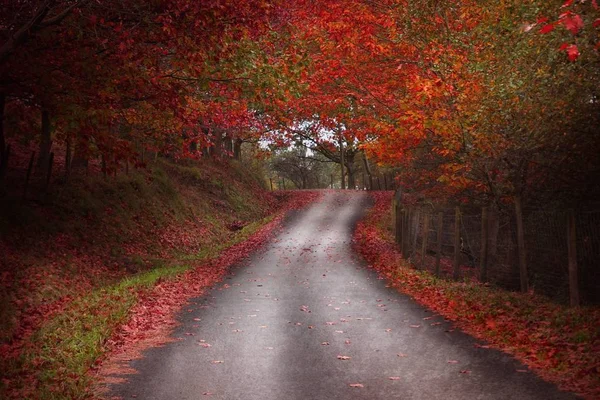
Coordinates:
x,y
306,319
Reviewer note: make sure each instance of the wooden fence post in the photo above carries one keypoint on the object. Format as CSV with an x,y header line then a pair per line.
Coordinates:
x,y
572,248
271,181
521,245
405,232
416,235
332,181
456,261
440,236
398,223
484,245
425,238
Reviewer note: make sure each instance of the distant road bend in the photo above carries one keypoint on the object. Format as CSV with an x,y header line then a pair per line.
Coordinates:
x,y
305,319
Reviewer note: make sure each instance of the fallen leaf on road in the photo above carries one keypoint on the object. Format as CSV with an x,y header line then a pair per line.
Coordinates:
x,y
325,344
217,362
357,385
394,378
465,371
401,355
452,362
343,357
415,326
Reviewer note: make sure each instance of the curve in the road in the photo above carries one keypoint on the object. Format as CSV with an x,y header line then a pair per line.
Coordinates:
x,y
305,319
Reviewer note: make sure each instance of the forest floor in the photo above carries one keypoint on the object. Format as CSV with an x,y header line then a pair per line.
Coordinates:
x,y
78,257
559,343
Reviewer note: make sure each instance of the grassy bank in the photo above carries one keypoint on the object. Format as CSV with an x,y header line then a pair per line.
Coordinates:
x,y
79,258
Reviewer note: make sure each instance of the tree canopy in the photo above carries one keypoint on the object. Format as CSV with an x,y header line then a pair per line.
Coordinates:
x,y
479,100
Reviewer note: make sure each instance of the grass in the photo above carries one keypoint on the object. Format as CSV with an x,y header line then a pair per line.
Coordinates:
x,y
64,349
77,258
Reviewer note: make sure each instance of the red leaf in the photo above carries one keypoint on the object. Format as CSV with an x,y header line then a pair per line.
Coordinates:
x,y
573,24
547,29
572,52
596,23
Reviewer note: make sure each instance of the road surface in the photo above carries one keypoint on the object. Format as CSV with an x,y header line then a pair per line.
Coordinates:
x,y
305,319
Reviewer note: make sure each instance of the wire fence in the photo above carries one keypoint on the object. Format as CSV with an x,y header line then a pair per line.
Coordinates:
x,y
561,248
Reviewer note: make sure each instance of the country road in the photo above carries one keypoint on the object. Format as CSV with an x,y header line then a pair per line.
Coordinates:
x,y
306,319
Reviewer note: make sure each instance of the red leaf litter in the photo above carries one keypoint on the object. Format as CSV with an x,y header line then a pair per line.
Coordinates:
x,y
557,354
152,319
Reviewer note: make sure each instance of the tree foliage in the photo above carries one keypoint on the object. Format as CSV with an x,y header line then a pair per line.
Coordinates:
x,y
472,100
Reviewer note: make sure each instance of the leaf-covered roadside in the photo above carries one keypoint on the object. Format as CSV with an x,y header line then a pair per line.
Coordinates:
x,y
54,360
559,343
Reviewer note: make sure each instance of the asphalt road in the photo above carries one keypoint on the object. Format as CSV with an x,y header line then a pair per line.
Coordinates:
x,y
305,319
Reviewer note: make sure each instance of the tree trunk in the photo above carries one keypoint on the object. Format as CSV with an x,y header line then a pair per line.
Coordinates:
x,y
368,170
237,149
79,158
351,176
2,139
342,163
351,172
228,145
217,149
3,149
45,142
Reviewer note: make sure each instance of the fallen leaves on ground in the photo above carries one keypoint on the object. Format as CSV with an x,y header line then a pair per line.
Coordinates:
x,y
561,344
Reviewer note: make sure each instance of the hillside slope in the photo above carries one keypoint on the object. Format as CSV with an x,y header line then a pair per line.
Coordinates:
x,y
93,244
